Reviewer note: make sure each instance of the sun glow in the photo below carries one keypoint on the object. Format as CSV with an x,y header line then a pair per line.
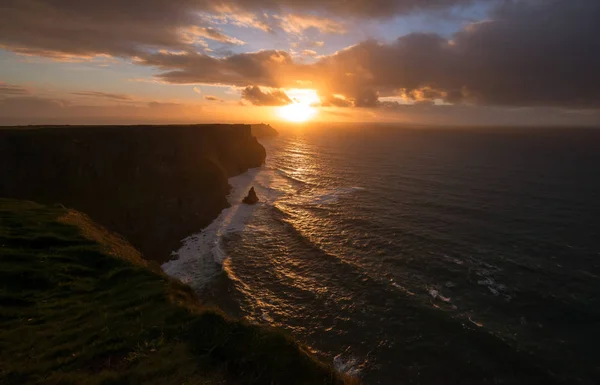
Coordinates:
x,y
302,108
297,112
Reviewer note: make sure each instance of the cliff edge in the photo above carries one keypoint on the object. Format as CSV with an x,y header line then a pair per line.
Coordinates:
x,y
79,306
154,185
263,131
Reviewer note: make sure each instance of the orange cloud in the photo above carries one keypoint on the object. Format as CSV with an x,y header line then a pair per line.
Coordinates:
x,y
298,23
258,97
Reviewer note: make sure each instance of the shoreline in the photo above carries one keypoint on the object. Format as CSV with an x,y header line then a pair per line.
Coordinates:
x,y
90,310
200,257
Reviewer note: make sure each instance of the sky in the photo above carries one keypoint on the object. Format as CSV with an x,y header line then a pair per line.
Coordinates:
x,y
429,62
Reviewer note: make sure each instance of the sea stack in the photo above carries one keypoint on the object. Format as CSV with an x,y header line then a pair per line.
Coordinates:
x,y
251,198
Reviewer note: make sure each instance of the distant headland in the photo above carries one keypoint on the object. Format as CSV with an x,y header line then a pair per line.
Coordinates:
x,y
263,130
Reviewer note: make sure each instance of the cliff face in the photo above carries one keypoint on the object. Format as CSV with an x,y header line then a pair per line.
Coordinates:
x,y
152,184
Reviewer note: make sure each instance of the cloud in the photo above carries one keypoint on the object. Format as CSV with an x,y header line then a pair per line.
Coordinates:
x,y
84,28
192,33
366,98
22,105
243,19
440,115
45,110
307,47
267,68
197,90
104,95
258,97
335,101
527,53
349,8
297,24
309,52
212,98
11,90
512,59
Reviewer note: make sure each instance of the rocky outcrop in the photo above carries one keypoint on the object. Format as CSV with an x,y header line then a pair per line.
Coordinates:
x,y
251,198
263,130
154,185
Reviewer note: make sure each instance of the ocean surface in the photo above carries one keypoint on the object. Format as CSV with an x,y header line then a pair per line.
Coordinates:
x,y
418,256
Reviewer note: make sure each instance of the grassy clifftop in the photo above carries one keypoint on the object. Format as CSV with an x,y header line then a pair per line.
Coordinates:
x,y
79,306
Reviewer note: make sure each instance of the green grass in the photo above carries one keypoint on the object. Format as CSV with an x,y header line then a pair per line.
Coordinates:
x,y
79,306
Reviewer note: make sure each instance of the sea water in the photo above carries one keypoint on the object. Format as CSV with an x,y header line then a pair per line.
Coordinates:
x,y
417,255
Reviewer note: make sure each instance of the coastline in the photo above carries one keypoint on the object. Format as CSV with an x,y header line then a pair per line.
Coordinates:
x,y
90,310
152,184
201,255
105,310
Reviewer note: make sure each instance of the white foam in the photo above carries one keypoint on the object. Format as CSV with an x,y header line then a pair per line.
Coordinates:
x,y
200,257
454,260
400,287
492,285
479,324
437,295
347,365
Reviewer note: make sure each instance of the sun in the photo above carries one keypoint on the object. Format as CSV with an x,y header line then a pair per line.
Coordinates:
x,y
302,108
297,112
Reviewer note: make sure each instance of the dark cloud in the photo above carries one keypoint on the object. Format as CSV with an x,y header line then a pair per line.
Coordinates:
x,y
211,98
56,28
104,95
530,53
257,97
267,68
126,28
351,8
366,98
85,28
335,101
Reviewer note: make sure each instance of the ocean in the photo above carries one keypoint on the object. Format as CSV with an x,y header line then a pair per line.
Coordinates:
x,y
418,255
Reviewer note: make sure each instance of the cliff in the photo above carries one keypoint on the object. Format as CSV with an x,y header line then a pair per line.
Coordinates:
x,y
152,184
79,306
263,130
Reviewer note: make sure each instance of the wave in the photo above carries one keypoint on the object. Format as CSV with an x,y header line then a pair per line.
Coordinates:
x,y
348,365
332,195
199,260
293,179
201,256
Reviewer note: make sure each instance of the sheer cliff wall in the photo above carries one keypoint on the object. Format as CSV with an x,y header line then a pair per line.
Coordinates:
x,y
154,185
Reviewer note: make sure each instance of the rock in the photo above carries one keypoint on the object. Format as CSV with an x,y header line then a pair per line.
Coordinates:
x,y
263,131
251,198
